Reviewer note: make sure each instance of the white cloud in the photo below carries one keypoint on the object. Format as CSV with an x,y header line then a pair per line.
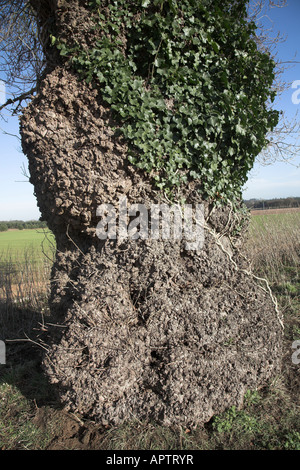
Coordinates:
x,y
2,92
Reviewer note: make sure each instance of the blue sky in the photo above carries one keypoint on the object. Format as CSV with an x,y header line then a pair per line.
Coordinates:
x,y
282,179
17,200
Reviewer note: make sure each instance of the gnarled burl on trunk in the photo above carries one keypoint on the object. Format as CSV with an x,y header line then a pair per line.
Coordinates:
x,y
140,328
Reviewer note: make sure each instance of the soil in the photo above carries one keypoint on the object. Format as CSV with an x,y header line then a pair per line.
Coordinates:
x,y
70,433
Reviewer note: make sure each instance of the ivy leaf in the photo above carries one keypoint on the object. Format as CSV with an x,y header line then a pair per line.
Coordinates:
x,y
240,130
52,39
199,106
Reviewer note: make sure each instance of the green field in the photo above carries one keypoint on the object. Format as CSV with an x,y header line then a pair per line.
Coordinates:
x,y
26,257
273,245
19,245
275,221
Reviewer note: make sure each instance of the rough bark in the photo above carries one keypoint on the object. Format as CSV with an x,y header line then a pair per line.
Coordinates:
x,y
145,328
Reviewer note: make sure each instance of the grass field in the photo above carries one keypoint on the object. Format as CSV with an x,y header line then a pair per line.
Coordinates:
x,y
26,257
31,418
16,244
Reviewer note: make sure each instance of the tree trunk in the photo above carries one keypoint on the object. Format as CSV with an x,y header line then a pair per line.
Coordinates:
x,y
144,328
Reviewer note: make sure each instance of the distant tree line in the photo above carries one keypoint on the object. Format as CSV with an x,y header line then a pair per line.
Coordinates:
x,y
21,225
281,203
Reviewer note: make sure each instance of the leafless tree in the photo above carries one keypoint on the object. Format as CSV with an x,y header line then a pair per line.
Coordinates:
x,y
284,140
21,55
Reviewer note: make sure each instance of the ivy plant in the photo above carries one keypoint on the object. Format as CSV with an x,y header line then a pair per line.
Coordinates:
x,y
188,86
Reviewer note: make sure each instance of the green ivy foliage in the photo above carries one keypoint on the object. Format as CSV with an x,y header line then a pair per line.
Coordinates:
x,y
188,85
